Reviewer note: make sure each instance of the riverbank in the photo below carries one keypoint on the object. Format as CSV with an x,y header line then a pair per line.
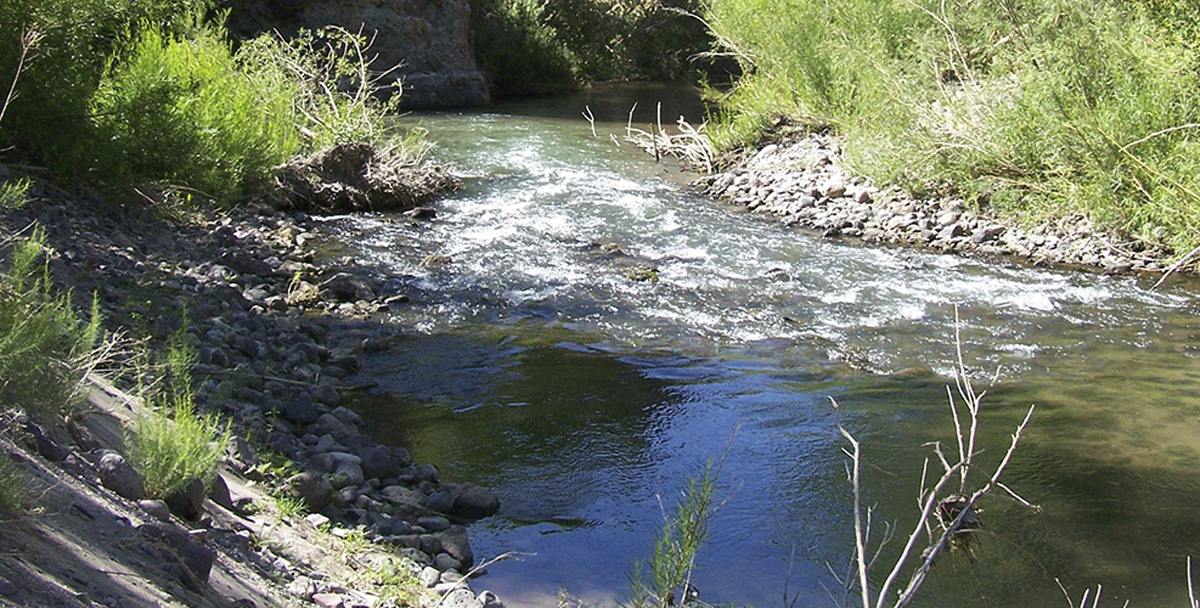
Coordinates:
x,y
802,181
275,330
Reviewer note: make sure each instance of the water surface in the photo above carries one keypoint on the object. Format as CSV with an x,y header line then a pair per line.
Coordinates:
x,y
535,363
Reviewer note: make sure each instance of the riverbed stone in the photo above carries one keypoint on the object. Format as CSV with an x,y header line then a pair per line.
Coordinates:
x,y
474,502
119,476
313,488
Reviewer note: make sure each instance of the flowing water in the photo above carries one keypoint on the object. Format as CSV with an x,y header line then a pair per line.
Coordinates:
x,y
533,362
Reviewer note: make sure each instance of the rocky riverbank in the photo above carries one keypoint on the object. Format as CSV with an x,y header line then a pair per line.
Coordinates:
x,y
276,331
801,180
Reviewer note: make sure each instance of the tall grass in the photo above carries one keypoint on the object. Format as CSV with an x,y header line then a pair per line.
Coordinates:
x,y
45,350
1040,107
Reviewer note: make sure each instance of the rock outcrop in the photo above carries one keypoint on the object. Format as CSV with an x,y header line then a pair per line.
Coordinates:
x,y
429,39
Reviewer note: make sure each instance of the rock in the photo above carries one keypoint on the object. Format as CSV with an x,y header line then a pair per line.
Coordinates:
x,y
155,508
348,288
317,520
427,472
188,501
490,600
303,588
434,523
313,488
441,501
429,576
474,502
380,462
300,410
240,454
119,476
455,542
403,495
220,493
329,600
175,547
461,598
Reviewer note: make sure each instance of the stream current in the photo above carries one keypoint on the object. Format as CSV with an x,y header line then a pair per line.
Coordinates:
x,y
535,363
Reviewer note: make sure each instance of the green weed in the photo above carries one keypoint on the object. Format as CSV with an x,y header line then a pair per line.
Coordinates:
x,y
287,506
396,583
180,110
14,488
684,531
172,444
45,351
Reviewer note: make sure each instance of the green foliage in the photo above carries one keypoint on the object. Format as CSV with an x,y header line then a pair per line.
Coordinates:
x,y
172,444
181,110
683,532
521,55
49,114
537,47
14,193
287,506
1042,106
396,583
45,352
328,76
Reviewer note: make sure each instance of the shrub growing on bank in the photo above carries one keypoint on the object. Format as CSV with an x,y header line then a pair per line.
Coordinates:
x,y
1046,107
45,351
180,109
173,445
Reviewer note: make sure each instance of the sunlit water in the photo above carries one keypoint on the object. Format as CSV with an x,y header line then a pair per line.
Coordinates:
x,y
534,364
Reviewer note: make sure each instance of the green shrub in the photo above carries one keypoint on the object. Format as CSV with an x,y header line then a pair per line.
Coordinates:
x,y
521,55
181,110
45,351
49,115
1047,107
172,444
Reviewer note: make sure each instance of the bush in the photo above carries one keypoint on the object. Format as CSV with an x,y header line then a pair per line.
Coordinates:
x,y
181,110
49,116
172,445
1047,107
45,352
538,47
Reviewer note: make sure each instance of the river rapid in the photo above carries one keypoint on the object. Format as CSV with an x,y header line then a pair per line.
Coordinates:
x,y
585,333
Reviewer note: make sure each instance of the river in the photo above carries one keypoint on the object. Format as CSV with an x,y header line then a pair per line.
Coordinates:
x,y
538,359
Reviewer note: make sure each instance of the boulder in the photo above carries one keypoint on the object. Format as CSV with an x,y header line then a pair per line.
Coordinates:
x,y
313,488
188,501
119,476
474,502
179,554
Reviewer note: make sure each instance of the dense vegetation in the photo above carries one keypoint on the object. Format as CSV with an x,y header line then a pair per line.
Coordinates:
x,y
152,92
536,47
1039,108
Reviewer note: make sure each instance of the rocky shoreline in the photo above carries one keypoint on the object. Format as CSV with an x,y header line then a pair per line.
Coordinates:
x,y
801,180
276,332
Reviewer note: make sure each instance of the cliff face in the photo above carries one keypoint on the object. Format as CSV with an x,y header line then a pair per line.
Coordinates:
x,y
430,39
